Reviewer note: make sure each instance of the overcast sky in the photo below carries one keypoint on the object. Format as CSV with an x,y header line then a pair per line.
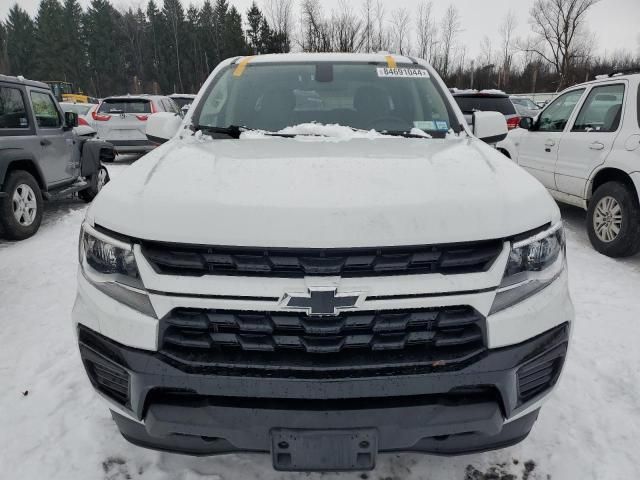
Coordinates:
x,y
616,23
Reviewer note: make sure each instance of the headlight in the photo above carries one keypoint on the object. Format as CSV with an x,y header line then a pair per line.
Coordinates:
x,y
533,264
110,266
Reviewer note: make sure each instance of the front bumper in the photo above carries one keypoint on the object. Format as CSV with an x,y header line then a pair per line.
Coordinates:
x,y
479,406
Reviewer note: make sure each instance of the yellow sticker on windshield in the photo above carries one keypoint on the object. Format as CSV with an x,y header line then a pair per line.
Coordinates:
x,y
241,66
391,62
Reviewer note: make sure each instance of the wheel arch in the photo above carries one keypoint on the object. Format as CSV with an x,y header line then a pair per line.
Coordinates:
x,y
610,174
17,159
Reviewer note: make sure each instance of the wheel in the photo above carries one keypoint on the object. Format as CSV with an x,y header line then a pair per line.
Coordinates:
x,y
21,209
613,220
96,182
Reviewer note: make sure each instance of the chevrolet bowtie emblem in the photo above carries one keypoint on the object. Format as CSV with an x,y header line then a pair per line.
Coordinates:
x,y
322,302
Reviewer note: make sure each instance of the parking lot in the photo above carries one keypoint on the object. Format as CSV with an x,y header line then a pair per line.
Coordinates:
x,y
589,430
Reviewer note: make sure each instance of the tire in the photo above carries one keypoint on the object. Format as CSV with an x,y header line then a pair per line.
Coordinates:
x,y
614,208
24,196
96,182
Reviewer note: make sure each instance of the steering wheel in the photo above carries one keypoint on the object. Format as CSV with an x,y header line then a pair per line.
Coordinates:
x,y
390,122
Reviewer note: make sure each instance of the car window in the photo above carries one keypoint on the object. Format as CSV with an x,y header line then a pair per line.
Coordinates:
x,y
182,101
602,110
119,105
360,95
555,117
472,104
45,110
173,106
13,113
79,108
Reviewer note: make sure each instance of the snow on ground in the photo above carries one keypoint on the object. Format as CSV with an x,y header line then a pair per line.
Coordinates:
x,y
52,425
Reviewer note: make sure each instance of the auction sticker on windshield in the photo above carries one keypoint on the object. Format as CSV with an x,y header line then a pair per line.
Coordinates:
x,y
403,72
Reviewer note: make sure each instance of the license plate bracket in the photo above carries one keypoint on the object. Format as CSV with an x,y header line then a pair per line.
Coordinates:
x,y
324,450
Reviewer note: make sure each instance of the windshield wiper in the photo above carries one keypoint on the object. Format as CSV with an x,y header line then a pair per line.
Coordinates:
x,y
233,131
403,133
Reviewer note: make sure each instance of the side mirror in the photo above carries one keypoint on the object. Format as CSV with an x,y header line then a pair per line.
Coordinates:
x,y
526,123
162,126
70,120
490,127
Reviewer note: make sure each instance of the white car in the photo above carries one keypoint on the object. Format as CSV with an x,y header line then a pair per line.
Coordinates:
x,y
585,148
121,120
323,261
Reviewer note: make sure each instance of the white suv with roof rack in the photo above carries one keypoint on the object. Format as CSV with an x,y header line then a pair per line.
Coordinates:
x,y
323,261
585,148
121,120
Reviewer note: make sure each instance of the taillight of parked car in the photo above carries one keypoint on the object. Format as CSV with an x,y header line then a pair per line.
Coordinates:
x,y
142,118
82,121
100,118
513,122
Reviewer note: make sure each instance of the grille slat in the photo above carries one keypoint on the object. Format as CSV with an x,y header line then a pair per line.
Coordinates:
x,y
194,260
447,332
540,374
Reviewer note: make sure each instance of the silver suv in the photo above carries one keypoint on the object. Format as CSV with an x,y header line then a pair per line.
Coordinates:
x,y
121,120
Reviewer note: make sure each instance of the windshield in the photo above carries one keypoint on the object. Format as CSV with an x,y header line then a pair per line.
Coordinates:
x,y
182,101
489,103
272,97
525,102
118,105
80,109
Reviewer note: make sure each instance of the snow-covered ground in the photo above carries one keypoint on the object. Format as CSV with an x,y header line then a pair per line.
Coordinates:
x,y
52,425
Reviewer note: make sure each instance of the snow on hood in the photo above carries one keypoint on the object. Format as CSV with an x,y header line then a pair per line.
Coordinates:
x,y
322,132
360,192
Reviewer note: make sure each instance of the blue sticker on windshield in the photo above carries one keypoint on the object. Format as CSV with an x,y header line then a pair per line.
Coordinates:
x,y
440,125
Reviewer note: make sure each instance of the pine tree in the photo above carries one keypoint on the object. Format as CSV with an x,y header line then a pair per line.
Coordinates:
x,y
206,34
234,41
219,20
151,45
21,43
72,43
173,17
254,33
4,57
193,66
49,50
104,44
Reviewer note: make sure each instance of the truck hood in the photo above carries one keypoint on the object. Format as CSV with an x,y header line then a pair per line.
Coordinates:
x,y
311,192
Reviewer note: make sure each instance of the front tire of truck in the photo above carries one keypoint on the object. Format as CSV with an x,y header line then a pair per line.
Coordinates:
x,y
96,182
21,209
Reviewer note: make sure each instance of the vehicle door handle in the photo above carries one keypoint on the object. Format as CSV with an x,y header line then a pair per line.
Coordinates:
x,y
44,142
596,146
549,143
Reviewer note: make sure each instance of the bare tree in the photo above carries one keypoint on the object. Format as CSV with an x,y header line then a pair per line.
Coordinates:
x,y
486,52
383,40
367,25
558,26
346,29
450,27
280,15
316,31
426,31
401,30
507,30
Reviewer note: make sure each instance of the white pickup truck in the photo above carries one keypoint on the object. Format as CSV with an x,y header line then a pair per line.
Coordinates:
x,y
323,261
585,148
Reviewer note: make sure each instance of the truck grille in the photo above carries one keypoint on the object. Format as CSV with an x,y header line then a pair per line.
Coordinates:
x,y
176,259
234,338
